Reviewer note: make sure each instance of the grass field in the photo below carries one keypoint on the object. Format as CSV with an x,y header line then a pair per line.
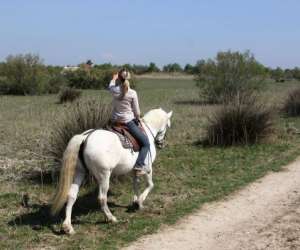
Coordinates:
x,y
186,174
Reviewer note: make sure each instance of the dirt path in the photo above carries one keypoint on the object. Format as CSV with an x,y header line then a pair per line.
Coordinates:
x,y
264,215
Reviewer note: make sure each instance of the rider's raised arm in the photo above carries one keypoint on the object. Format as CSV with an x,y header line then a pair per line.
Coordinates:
x,y
113,87
136,106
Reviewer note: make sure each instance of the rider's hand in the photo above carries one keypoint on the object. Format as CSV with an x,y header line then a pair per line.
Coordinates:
x,y
115,76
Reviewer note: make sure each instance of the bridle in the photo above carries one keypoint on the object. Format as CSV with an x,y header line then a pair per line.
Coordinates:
x,y
159,143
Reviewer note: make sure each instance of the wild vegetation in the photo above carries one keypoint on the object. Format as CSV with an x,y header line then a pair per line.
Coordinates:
x,y
34,131
229,75
68,94
79,117
28,75
186,174
241,121
292,103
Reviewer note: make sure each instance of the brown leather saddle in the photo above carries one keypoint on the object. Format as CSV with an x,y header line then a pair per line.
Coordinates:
x,y
127,140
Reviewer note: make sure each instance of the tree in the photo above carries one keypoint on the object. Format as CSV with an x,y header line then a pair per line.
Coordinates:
x,y
277,74
139,69
189,69
104,66
296,73
24,75
153,68
288,74
229,74
173,67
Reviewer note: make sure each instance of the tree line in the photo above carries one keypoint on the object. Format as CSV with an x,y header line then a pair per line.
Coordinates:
x,y
28,75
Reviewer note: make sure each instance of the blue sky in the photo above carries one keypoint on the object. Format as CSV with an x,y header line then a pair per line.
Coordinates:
x,y
142,31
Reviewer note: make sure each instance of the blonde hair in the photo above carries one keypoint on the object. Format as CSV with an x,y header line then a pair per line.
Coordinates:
x,y
124,88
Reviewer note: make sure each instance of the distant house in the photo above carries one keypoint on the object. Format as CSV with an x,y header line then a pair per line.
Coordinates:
x,y
86,66
69,68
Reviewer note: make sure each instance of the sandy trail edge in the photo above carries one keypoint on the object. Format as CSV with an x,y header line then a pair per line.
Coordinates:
x,y
263,215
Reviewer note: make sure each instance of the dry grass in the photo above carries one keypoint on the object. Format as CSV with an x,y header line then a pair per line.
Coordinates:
x,y
68,95
291,106
185,175
240,122
77,118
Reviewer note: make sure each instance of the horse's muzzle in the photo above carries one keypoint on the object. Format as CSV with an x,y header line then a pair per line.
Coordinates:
x,y
160,144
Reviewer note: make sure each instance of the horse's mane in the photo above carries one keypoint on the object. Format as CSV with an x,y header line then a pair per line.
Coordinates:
x,y
155,118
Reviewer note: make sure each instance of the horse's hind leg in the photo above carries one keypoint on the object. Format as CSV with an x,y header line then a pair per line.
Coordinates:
x,y
149,187
102,197
72,196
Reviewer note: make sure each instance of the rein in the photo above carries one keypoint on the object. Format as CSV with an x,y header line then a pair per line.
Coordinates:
x,y
150,131
155,140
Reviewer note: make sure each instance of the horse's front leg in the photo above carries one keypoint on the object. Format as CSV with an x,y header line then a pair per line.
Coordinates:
x,y
136,182
102,197
72,196
149,187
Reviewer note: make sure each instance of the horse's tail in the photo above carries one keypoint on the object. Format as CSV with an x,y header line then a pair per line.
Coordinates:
x,y
67,172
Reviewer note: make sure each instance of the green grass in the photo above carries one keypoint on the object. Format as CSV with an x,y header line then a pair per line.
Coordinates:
x,y
186,175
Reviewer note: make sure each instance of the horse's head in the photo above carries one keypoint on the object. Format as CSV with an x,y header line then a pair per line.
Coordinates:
x,y
160,121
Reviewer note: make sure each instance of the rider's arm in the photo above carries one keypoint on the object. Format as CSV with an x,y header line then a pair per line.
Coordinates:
x,y
136,106
112,87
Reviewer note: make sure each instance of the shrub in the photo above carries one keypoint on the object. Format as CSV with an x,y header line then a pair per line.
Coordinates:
x,y
228,75
277,74
79,79
56,83
94,79
68,95
24,75
173,67
139,69
243,121
153,68
291,106
76,119
107,76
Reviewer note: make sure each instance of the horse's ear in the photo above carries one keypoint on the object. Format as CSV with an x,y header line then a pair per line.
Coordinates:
x,y
170,114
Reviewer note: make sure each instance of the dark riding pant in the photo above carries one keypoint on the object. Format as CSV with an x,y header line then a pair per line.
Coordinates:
x,y
143,141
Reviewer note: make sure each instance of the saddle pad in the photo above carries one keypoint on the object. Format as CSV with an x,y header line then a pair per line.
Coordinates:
x,y
125,139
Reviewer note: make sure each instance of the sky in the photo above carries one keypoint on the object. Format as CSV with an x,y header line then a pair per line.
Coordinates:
x,y
65,32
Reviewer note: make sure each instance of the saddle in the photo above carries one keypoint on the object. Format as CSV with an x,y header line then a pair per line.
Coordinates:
x,y
127,140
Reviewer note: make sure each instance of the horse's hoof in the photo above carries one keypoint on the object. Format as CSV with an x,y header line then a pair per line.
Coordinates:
x,y
113,219
141,206
137,206
68,229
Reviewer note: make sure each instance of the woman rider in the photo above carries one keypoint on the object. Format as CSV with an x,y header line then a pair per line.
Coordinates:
x,y
126,110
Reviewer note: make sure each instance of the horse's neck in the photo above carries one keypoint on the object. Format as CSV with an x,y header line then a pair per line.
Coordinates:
x,y
151,132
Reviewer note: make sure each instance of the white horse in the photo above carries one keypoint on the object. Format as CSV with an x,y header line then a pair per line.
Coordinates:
x,y
104,155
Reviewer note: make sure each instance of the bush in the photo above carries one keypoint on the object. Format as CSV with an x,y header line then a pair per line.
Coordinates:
x,y
94,79
291,106
230,74
24,75
277,74
68,95
77,118
56,82
173,67
242,121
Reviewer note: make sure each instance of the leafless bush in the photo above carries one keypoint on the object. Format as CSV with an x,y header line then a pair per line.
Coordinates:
x,y
242,121
78,118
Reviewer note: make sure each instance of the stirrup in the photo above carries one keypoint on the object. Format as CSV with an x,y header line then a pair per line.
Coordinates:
x,y
140,170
